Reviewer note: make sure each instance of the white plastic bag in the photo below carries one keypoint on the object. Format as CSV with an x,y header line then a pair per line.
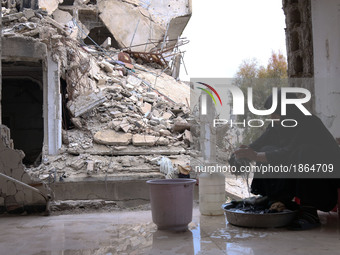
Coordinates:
x,y
166,168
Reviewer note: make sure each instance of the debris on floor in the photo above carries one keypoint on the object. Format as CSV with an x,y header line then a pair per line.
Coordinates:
x,y
119,113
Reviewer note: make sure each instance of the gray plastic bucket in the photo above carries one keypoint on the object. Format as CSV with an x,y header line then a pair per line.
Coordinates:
x,y
171,203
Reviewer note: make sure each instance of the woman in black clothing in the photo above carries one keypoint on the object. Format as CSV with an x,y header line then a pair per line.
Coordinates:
x,y
309,142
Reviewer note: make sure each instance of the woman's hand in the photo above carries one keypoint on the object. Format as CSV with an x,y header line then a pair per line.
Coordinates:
x,y
248,153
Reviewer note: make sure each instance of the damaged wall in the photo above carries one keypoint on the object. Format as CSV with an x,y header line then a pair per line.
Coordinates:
x,y
148,18
313,40
299,38
49,5
299,44
116,110
13,196
28,49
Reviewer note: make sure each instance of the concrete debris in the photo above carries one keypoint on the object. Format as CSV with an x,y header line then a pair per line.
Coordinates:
x,y
77,164
77,123
110,137
90,167
85,103
107,67
166,19
28,13
143,140
120,112
12,195
180,125
49,5
187,137
12,17
146,108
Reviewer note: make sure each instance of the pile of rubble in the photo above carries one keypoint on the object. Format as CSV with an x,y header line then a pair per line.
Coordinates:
x,y
119,116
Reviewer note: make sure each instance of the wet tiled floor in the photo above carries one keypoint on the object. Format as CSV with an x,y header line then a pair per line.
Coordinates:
x,y
134,233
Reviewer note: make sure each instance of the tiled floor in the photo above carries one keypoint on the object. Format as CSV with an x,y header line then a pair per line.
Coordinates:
x,y
134,233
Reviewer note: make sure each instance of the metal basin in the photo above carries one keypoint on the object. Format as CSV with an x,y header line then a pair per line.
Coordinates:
x,y
256,220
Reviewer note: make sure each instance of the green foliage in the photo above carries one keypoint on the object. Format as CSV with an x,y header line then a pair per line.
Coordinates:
x,y
261,79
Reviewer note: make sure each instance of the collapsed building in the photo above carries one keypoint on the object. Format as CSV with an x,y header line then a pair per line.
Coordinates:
x,y
90,92
90,96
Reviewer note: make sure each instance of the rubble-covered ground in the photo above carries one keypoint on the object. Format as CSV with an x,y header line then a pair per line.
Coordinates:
x,y
121,116
118,118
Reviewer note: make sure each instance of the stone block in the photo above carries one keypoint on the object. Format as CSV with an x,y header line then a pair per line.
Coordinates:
x,y
163,141
110,137
187,137
29,13
180,126
107,67
167,115
143,140
85,103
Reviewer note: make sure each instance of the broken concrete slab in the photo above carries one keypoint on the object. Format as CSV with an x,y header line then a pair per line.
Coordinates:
x,y
162,141
85,103
167,115
143,140
187,137
134,81
146,108
125,125
120,17
180,126
56,25
49,5
116,114
12,17
62,17
129,150
107,66
110,137
29,13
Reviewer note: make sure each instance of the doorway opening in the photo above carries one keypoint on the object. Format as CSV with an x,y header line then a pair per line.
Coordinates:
x,y
22,108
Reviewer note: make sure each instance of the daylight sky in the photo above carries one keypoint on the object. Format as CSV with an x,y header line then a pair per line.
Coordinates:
x,y
222,33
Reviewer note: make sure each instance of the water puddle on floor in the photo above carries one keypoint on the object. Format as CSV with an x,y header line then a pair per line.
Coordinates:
x,y
205,236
